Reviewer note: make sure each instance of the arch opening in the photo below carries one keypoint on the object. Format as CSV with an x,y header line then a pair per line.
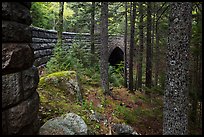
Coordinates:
x,y
116,57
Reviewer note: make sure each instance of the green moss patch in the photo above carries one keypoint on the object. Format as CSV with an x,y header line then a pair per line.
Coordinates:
x,y
55,77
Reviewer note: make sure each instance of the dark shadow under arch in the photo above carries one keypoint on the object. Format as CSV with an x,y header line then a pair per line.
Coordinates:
x,y
116,56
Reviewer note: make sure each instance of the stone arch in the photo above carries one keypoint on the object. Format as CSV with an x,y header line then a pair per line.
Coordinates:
x,y
116,56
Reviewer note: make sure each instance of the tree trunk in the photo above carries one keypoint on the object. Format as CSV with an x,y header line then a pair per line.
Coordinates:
x,y
175,112
156,50
156,54
92,32
141,46
152,39
60,24
132,46
196,82
195,88
125,43
104,48
149,48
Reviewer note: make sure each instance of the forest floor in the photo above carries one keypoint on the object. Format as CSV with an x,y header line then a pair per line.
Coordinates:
x,y
133,109
139,110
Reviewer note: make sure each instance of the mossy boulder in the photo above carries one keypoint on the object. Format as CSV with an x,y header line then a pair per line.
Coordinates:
x,y
59,93
63,81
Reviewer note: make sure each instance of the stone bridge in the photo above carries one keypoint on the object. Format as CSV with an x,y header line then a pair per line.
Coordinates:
x,y
43,42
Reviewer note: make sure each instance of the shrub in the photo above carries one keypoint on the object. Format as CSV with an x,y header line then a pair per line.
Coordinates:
x,y
116,75
74,58
129,116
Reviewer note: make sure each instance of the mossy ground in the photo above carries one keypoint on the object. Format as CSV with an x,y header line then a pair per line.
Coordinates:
x,y
137,109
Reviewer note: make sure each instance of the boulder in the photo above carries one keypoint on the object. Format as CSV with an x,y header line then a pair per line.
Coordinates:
x,y
69,124
66,81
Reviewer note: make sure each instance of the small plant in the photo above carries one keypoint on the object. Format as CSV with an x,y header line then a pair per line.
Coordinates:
x,y
88,105
97,126
157,90
129,116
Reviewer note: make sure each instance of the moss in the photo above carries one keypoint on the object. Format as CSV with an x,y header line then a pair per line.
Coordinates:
x,y
54,100
57,75
56,84
62,74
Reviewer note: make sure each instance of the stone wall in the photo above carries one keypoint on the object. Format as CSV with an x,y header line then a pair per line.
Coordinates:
x,y
43,42
20,101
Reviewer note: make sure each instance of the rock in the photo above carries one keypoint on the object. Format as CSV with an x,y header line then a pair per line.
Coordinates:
x,y
30,79
123,129
31,129
69,124
41,61
42,53
16,32
19,86
135,133
65,81
95,116
15,11
14,57
22,115
11,89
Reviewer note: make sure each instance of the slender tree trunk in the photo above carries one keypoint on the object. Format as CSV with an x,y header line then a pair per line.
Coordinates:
x,y
175,112
156,54
92,31
104,48
54,22
125,43
131,51
148,49
200,87
60,24
141,46
153,38
196,81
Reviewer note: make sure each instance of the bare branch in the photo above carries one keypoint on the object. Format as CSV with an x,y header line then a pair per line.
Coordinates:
x,y
162,13
161,7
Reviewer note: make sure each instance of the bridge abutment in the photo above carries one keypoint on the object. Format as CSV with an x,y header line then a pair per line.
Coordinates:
x,y
20,100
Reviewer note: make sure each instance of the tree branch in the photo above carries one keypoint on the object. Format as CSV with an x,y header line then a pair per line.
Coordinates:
x,y
161,7
162,13
197,5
